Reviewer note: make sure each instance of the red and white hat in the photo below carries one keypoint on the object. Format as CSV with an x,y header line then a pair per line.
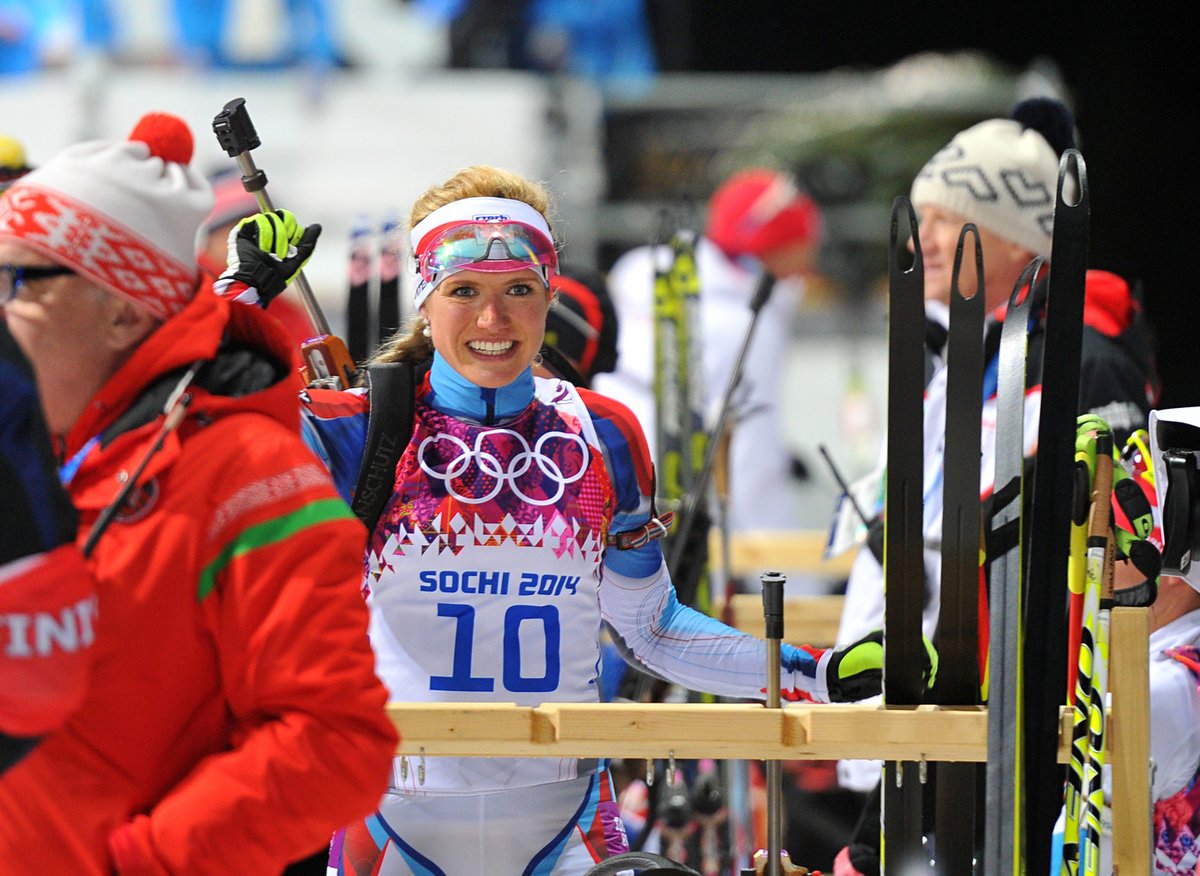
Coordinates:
x,y
125,214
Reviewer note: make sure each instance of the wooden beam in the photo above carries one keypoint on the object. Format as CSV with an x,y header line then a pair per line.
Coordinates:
x,y
1129,739
799,732
752,553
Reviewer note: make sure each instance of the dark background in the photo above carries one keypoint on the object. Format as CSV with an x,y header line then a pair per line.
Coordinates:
x,y
1130,75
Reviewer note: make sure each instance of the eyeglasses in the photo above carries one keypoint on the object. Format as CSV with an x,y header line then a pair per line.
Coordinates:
x,y
485,246
14,277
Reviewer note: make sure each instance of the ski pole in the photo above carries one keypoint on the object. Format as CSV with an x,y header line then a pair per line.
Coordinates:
x,y
1083,607
174,411
843,485
772,595
762,292
325,356
1099,578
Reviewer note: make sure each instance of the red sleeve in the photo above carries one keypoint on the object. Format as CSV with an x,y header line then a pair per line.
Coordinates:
x,y
611,415
42,677
312,746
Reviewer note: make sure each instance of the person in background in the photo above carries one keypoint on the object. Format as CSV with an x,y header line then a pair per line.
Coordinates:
x,y
757,220
1002,175
232,719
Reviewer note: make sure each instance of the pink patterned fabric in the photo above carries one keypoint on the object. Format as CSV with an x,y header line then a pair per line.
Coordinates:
x,y
1177,818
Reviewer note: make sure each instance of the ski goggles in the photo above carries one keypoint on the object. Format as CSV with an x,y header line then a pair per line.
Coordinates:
x,y
504,246
482,234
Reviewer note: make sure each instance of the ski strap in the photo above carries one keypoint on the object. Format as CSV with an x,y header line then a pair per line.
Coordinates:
x,y
392,389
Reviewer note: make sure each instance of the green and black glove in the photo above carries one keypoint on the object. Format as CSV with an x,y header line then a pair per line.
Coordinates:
x,y
266,252
856,671
1133,517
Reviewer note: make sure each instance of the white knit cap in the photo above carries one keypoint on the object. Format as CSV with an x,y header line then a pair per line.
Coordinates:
x,y
998,174
124,214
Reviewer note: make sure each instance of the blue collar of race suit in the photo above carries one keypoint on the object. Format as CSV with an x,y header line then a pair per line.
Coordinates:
x,y
453,394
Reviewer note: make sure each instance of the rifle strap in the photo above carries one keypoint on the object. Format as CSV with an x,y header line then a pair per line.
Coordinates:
x,y
392,390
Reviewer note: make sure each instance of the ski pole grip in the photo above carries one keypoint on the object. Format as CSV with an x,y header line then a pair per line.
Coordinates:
x,y
772,593
236,135
235,132
762,291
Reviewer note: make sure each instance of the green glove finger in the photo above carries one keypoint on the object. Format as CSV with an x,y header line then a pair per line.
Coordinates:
x,y
1092,422
866,656
932,654
260,230
290,229
280,243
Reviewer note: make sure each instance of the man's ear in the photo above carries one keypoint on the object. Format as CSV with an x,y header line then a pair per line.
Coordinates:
x,y
126,324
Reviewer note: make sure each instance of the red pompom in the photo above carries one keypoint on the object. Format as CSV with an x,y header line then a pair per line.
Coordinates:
x,y
168,137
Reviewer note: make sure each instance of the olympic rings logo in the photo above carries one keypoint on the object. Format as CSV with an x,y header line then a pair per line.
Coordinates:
x,y
518,465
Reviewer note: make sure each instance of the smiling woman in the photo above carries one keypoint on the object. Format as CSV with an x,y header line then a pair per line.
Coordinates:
x,y
495,563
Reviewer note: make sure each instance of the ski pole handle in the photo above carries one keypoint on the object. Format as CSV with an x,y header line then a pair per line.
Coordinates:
x,y
762,291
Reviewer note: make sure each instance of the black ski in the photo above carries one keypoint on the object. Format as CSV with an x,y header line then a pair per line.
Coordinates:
x,y
957,637
1050,524
1003,849
391,250
903,557
358,302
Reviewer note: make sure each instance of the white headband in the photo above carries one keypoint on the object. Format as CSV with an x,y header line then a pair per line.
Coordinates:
x,y
472,210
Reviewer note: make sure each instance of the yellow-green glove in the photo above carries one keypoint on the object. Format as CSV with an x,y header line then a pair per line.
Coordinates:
x,y
266,252
856,671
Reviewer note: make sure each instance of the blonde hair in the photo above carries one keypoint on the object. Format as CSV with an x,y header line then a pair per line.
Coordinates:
x,y
482,181
477,181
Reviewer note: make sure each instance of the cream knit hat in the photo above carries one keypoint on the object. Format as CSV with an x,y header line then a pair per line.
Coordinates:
x,y
125,214
1000,174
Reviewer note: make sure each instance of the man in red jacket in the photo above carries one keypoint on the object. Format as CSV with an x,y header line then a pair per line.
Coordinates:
x,y
232,719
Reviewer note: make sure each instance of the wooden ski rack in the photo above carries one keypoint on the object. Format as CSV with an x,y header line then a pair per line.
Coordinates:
x,y
800,732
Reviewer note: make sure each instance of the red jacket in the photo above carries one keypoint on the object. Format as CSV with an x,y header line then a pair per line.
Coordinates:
x,y
233,718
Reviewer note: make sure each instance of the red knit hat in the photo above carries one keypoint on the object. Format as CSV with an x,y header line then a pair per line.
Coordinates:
x,y
756,211
124,214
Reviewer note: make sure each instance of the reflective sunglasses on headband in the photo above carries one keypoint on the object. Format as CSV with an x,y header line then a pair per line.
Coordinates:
x,y
487,246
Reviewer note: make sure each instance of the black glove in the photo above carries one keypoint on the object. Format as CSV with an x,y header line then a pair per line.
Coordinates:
x,y
266,252
856,671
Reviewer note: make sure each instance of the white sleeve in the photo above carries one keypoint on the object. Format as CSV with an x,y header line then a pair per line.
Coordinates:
x,y
670,640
